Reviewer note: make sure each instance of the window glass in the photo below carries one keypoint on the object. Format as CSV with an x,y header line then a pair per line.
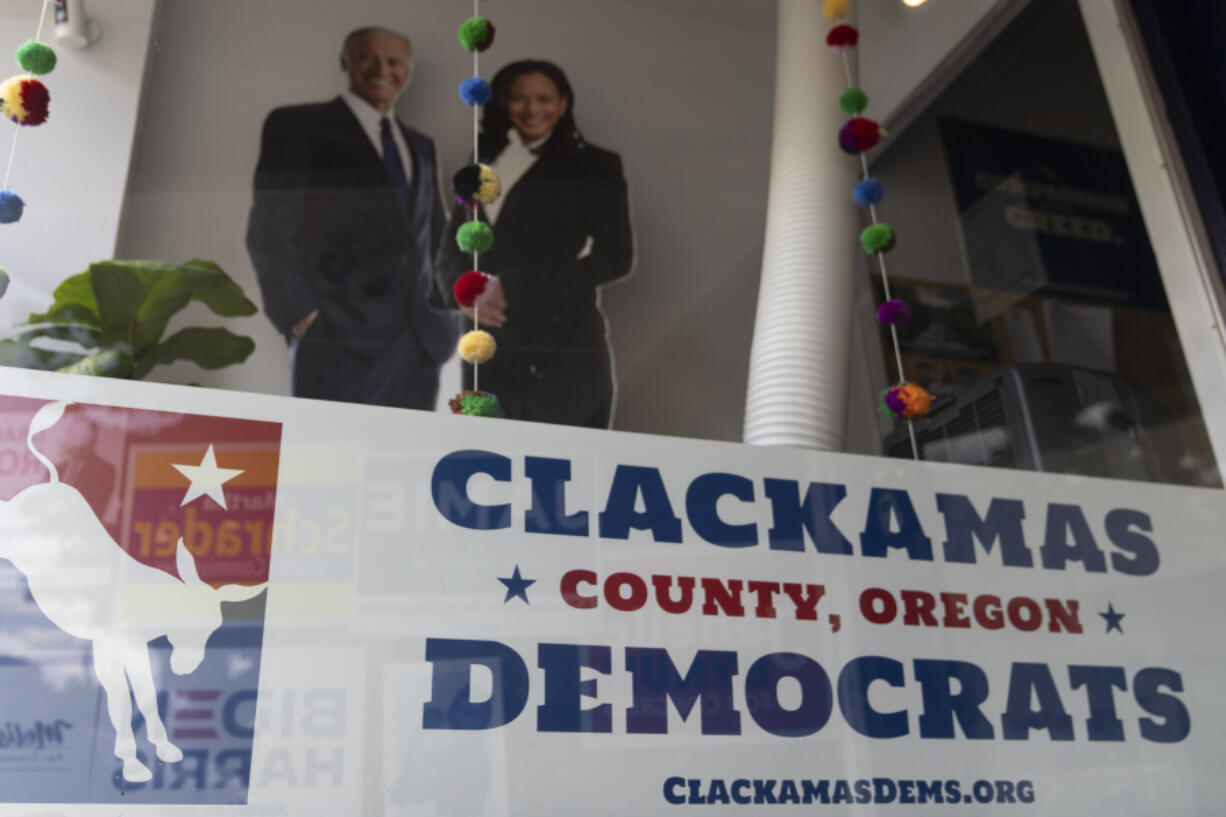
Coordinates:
x,y
1040,323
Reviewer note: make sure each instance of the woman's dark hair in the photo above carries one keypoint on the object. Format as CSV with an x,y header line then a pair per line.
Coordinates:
x,y
495,121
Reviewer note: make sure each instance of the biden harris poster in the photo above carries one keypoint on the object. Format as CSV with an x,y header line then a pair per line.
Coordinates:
x,y
253,604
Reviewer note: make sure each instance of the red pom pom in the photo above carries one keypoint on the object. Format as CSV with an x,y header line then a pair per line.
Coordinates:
x,y
469,288
859,135
843,37
24,100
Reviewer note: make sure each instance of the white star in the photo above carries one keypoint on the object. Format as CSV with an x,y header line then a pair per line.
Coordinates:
x,y
206,478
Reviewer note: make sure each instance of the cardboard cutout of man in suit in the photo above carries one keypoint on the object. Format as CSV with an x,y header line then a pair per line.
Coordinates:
x,y
343,232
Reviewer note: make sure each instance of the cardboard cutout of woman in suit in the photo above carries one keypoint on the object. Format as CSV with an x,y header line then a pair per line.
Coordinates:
x,y
561,231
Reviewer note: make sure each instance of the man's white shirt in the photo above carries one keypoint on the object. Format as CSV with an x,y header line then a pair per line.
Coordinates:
x,y
369,118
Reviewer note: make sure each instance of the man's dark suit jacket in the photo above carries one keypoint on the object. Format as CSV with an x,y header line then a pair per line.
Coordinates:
x,y
326,232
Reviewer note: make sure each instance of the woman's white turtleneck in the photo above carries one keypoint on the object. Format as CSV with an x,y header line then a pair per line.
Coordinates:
x,y
515,160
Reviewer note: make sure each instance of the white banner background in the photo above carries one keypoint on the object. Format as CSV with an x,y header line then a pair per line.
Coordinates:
x,y
365,569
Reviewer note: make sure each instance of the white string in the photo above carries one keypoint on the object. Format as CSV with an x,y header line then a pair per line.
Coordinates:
x,y
42,15
8,169
476,255
476,73
885,277
12,153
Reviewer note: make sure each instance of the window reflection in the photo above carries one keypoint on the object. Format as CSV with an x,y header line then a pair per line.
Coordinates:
x,y
1040,321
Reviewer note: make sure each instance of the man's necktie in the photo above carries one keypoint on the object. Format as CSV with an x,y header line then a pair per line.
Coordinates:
x,y
395,166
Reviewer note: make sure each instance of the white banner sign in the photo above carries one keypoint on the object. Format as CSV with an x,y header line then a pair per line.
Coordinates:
x,y
267,606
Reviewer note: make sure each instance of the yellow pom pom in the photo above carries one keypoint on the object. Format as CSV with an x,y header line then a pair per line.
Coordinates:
x,y
835,9
490,187
477,346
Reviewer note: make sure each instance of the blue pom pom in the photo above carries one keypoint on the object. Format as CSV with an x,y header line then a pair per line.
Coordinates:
x,y
475,91
11,206
868,192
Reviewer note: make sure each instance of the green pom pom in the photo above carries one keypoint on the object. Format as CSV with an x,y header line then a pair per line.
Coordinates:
x,y
479,405
853,101
474,236
476,34
35,57
877,238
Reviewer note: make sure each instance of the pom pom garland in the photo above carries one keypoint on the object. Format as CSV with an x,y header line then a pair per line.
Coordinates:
x,y
35,57
24,100
475,91
11,206
843,37
893,312
473,287
474,236
476,183
853,101
868,192
476,404
835,9
859,134
477,346
877,238
476,34
905,401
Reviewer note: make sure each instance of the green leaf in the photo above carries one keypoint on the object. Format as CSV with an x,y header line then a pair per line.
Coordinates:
x,y
128,304
19,353
136,299
74,302
208,348
122,290
218,291
114,362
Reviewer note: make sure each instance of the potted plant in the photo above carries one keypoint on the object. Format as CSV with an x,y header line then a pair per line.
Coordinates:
x,y
109,321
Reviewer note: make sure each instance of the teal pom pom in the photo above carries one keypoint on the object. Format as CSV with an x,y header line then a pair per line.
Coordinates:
x,y
11,206
868,192
476,34
474,236
4,282
35,57
853,101
475,91
877,238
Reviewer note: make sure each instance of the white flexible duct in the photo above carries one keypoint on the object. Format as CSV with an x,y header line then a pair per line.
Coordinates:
x,y
798,366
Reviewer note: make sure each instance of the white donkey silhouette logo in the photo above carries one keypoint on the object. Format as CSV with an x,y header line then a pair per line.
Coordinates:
x,y
47,528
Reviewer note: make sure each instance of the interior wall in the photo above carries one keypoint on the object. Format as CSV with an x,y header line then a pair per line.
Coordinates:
x,y
682,90
71,171
906,53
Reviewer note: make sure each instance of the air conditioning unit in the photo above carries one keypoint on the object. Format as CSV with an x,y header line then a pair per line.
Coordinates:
x,y
1051,417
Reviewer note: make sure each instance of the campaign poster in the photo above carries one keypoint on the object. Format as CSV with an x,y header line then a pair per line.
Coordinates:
x,y
467,616
1049,216
133,571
